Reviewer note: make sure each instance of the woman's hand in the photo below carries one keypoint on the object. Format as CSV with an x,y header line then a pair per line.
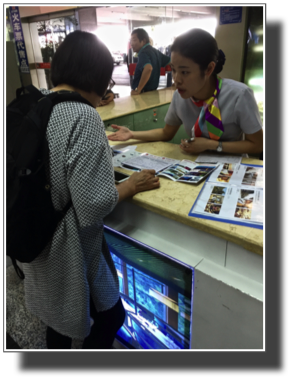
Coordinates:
x,y
108,98
122,134
104,102
138,182
144,180
199,144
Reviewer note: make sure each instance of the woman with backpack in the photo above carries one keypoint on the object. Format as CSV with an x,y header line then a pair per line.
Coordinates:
x,y
72,286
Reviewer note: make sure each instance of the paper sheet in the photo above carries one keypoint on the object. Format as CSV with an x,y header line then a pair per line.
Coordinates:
x,y
232,194
219,158
149,161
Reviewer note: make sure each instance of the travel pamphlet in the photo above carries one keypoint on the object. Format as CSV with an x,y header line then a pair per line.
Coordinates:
x,y
238,175
188,171
232,194
218,158
147,161
174,169
121,156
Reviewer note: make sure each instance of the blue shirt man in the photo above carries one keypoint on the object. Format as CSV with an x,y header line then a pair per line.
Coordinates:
x,y
150,60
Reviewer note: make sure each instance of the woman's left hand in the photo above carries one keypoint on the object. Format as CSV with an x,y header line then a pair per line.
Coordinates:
x,y
199,144
104,102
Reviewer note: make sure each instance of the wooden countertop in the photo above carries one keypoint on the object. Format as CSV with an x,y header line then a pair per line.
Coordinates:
x,y
136,103
174,200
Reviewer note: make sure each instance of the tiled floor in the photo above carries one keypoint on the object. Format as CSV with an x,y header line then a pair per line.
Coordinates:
x,y
24,330
11,344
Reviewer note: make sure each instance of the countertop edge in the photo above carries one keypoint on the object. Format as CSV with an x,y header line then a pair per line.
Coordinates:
x,y
240,241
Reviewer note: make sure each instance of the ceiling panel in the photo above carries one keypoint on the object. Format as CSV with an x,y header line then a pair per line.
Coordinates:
x,y
152,14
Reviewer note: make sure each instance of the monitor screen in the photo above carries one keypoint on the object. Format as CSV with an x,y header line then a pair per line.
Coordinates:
x,y
156,291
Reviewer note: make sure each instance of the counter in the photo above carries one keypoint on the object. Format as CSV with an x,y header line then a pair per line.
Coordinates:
x,y
174,200
132,104
140,112
226,259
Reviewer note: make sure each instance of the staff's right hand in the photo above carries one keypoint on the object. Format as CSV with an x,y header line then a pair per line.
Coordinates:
x,y
122,134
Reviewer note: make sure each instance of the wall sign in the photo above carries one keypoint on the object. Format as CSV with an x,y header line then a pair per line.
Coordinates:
x,y
19,39
230,15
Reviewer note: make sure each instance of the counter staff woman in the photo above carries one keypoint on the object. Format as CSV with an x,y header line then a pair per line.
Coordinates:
x,y
215,112
72,286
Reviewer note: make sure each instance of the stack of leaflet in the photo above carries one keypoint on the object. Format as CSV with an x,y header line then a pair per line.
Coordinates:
x,y
180,171
131,159
232,194
148,161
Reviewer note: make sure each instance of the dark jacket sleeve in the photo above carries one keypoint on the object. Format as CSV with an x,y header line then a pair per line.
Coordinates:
x,y
165,60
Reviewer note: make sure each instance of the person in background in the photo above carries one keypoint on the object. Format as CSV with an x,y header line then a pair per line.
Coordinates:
x,y
150,60
72,286
215,112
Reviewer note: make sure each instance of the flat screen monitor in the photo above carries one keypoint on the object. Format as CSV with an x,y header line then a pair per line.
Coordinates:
x,y
156,291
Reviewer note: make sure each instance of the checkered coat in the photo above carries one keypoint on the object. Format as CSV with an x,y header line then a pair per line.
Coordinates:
x,y
76,263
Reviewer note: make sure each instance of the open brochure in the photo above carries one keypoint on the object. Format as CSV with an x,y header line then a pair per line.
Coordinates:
x,y
182,171
188,171
148,161
232,196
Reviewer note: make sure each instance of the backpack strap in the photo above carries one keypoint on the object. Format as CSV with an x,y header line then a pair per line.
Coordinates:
x,y
32,90
65,95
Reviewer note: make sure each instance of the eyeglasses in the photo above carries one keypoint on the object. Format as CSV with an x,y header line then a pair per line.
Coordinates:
x,y
111,84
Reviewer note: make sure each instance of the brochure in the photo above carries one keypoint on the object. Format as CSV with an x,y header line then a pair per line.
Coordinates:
x,y
238,200
123,155
219,158
238,175
148,161
188,171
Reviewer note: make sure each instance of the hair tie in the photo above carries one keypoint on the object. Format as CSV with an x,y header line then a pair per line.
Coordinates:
x,y
221,57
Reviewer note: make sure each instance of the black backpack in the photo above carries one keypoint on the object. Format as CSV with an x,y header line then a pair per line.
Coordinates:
x,y
30,215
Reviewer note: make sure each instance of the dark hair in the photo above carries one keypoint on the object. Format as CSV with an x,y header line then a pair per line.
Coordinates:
x,y
141,35
83,62
201,47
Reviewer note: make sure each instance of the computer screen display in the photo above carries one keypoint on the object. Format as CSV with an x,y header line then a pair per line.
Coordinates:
x,y
156,291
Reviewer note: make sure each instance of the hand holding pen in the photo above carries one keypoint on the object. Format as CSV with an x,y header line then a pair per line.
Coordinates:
x,y
185,143
194,145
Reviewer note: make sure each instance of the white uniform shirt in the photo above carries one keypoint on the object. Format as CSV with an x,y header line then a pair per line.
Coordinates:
x,y
239,111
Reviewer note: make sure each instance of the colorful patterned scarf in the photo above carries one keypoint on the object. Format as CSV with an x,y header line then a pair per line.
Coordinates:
x,y
210,114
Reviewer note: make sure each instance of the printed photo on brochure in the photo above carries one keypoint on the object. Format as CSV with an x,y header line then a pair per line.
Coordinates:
x,y
233,193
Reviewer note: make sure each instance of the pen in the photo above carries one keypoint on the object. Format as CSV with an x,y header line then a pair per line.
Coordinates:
x,y
130,167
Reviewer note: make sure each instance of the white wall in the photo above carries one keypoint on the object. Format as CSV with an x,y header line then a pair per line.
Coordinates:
x,y
231,40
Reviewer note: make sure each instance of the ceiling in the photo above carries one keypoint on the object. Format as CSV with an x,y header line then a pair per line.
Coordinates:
x,y
141,15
